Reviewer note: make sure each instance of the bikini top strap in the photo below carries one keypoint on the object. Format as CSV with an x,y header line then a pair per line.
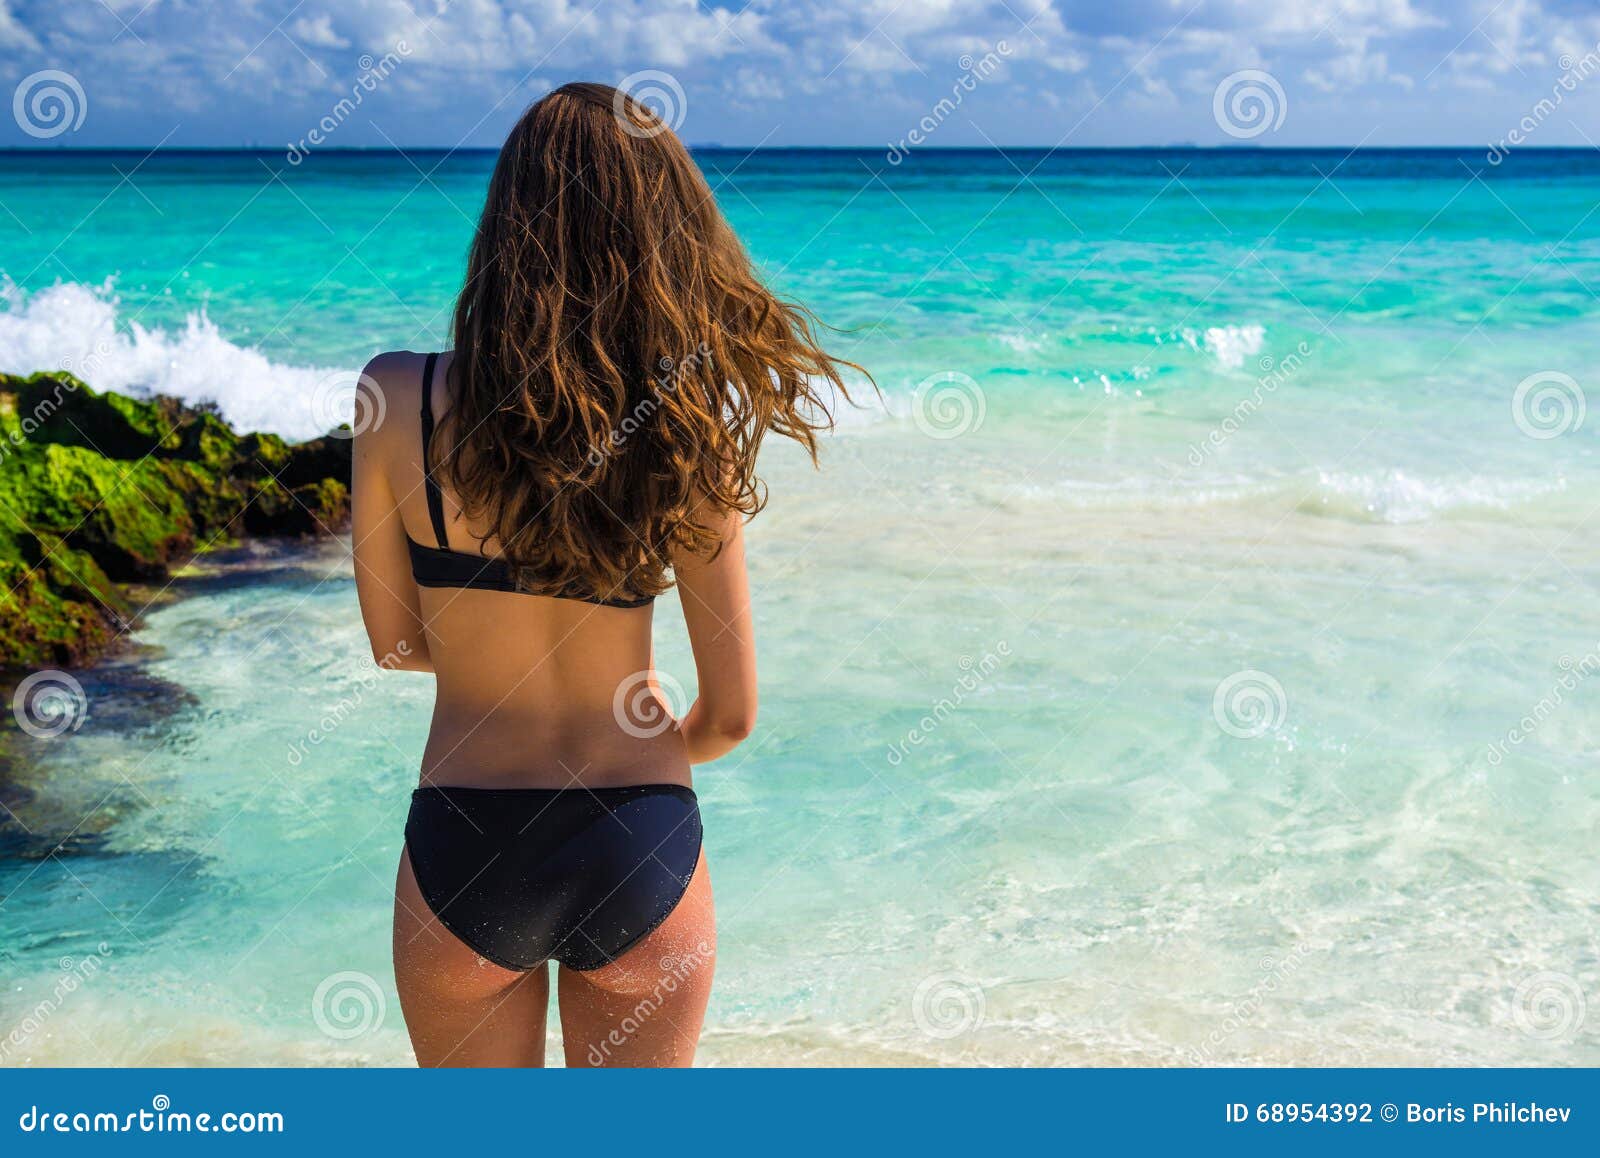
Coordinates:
x,y
429,483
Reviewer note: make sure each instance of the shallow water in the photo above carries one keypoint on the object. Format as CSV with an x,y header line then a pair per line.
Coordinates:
x,y
1220,692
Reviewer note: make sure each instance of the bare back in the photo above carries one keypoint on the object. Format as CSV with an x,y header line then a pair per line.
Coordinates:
x,y
533,691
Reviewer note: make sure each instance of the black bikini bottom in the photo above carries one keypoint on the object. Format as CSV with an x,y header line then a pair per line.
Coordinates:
x,y
575,875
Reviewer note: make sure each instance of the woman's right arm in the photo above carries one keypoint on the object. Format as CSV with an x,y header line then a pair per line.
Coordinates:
x,y
716,608
390,605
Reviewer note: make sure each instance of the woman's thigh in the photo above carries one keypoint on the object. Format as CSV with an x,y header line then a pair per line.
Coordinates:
x,y
647,1006
460,1009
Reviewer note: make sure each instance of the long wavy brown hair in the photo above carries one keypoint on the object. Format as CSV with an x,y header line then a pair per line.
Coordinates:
x,y
617,359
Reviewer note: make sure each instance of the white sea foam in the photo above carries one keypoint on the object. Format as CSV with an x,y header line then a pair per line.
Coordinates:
x,y
1391,496
1229,345
76,328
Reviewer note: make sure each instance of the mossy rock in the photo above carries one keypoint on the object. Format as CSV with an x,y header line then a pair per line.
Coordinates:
x,y
100,489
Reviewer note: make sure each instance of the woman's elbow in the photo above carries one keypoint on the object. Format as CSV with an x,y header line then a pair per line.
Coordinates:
x,y
403,656
735,725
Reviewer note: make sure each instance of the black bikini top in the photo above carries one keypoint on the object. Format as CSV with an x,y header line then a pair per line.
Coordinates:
x,y
440,566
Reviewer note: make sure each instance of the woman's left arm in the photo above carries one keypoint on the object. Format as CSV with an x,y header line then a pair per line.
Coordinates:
x,y
390,605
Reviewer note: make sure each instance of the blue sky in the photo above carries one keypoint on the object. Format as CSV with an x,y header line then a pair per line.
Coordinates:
x,y
806,72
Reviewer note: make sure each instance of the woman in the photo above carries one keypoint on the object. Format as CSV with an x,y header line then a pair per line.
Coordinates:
x,y
590,441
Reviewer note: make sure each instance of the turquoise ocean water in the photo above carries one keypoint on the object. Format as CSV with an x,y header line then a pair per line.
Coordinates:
x,y
1190,660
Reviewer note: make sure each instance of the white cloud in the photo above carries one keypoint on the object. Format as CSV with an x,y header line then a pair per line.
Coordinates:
x,y
317,32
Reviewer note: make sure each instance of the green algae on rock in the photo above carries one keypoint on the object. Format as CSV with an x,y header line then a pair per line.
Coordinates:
x,y
99,490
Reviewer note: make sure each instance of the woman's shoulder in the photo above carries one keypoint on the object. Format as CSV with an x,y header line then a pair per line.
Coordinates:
x,y
389,388
394,372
